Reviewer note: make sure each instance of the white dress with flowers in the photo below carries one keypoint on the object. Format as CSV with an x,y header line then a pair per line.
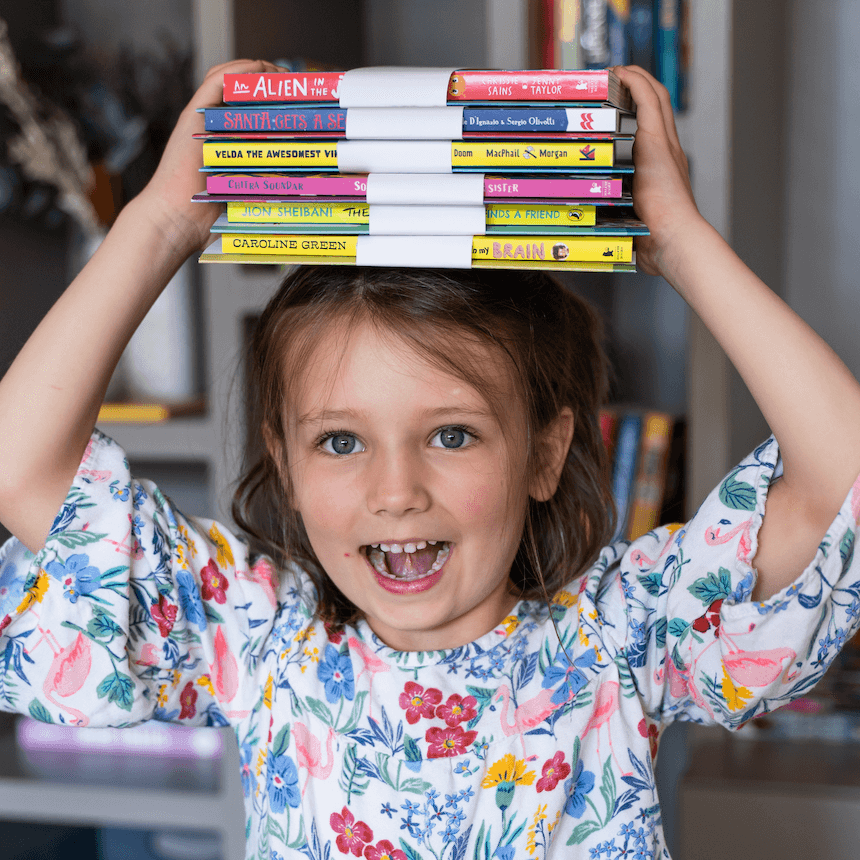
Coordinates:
x,y
502,748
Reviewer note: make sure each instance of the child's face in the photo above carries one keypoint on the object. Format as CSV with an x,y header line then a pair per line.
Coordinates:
x,y
388,451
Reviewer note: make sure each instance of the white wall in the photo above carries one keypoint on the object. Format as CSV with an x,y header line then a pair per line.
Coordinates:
x,y
822,221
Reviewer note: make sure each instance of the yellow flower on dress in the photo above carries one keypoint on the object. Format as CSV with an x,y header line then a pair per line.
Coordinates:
x,y
564,598
225,553
736,696
36,592
206,682
531,839
508,769
510,624
162,695
267,692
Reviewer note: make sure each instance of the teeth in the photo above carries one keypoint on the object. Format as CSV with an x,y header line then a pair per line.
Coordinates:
x,y
422,544
409,547
376,556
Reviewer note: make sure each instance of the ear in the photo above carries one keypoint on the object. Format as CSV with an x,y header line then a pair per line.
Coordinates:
x,y
551,453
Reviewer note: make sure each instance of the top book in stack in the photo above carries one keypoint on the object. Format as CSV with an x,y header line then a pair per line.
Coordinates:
x,y
353,89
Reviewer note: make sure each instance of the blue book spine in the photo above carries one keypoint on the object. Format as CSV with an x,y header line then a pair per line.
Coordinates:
x,y
642,34
242,119
618,27
668,34
624,468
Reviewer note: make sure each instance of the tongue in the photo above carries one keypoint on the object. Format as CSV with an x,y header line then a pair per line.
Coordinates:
x,y
412,563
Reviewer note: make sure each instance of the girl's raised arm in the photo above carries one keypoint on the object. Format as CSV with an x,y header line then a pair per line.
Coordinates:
x,y
808,397
50,396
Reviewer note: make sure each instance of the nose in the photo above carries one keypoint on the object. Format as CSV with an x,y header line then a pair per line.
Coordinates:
x,y
397,484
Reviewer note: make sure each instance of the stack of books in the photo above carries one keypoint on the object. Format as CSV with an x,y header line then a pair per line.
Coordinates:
x,y
423,167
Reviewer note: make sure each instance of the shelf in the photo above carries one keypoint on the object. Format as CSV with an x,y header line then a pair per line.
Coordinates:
x,y
115,789
177,438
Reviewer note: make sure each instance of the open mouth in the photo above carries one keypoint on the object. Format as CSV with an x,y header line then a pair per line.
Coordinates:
x,y
410,561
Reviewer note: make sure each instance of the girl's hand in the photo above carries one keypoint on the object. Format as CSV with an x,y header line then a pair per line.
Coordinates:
x,y
662,194
168,194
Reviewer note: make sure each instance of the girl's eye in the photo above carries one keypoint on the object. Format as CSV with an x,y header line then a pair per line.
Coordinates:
x,y
452,437
341,443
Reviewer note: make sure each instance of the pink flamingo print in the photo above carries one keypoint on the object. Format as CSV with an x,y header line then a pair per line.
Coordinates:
x,y
605,705
758,668
308,753
714,538
263,574
370,664
527,715
67,672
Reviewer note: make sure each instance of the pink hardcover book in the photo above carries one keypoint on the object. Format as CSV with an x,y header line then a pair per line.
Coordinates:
x,y
355,185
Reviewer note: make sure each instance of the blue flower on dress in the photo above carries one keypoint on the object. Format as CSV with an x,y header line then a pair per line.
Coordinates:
x,y
189,597
576,788
282,783
506,852
335,671
387,809
249,781
570,678
11,588
76,574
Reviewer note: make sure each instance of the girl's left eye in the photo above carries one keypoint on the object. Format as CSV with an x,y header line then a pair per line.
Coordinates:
x,y
341,443
452,437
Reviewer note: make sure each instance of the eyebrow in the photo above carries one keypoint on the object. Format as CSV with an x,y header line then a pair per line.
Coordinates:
x,y
338,415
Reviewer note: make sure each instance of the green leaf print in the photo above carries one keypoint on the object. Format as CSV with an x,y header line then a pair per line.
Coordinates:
x,y
409,851
737,495
411,749
712,587
39,712
101,625
282,741
607,789
75,539
678,627
119,690
352,780
582,831
355,715
320,710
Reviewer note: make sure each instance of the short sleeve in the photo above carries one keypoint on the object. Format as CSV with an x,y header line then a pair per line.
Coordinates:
x,y
678,607
132,610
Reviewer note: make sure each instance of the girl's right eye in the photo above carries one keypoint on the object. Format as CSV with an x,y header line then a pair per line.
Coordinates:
x,y
341,443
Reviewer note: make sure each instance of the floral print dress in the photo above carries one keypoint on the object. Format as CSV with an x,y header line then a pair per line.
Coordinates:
x,y
537,740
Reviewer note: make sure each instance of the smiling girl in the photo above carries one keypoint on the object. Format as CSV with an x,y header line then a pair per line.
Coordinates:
x,y
424,640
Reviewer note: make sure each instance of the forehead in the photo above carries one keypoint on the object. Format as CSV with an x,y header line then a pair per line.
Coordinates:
x,y
352,361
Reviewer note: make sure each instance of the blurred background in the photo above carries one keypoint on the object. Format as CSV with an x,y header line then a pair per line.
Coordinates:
x,y
768,111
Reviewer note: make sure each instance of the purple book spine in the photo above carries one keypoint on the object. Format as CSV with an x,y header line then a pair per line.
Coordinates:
x,y
498,186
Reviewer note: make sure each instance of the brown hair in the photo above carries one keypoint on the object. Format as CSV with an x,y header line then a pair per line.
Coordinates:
x,y
552,342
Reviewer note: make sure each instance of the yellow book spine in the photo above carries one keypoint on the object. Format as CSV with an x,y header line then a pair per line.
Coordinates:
x,y
536,154
615,249
323,246
298,213
282,153
550,215
144,413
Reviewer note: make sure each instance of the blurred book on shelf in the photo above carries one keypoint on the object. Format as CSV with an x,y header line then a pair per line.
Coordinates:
x,y
149,413
646,449
592,34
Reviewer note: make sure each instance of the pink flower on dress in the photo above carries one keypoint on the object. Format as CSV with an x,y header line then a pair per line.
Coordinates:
x,y
458,709
213,583
352,835
448,742
188,700
417,703
554,770
383,850
164,614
